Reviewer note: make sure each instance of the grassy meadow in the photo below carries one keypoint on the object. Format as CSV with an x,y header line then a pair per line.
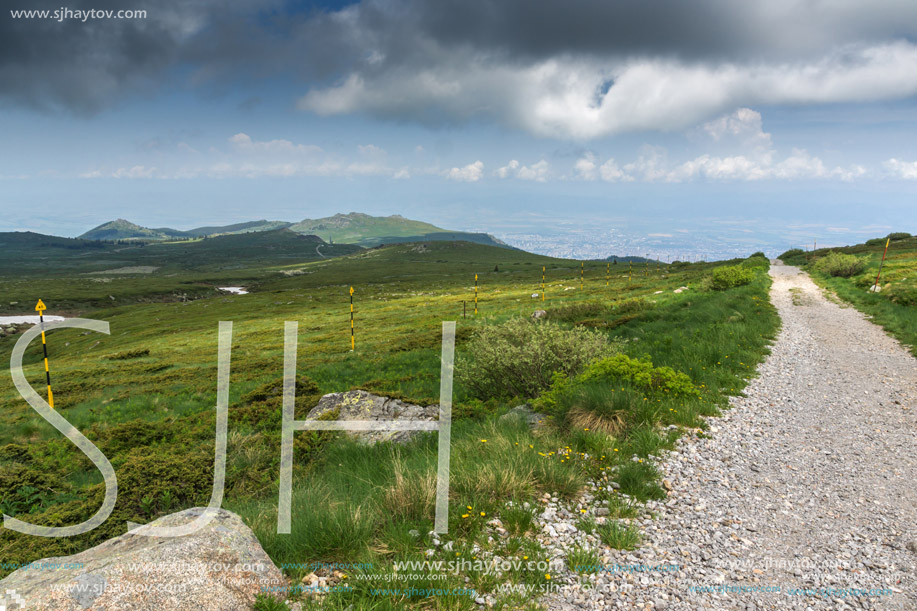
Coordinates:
x,y
894,306
145,395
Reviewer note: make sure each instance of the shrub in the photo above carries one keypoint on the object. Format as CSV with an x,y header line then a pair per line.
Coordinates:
x,y
902,294
616,371
730,276
757,261
520,357
576,311
899,235
793,252
640,373
633,305
840,265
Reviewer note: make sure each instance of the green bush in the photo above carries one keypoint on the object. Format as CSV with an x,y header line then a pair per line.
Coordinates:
x,y
902,294
730,276
757,261
617,370
840,265
520,357
899,235
793,252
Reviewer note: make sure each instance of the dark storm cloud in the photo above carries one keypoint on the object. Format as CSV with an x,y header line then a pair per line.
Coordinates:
x,y
84,66
87,66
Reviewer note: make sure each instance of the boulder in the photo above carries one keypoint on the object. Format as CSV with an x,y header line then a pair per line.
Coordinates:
x,y
525,413
220,567
539,314
363,405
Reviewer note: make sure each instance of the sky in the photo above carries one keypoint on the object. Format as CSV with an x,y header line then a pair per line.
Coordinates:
x,y
581,128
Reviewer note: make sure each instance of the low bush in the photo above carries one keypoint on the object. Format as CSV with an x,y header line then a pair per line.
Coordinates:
x,y
840,265
520,357
617,371
730,276
757,261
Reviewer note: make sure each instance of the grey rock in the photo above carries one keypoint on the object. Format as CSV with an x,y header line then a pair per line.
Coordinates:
x,y
222,566
362,405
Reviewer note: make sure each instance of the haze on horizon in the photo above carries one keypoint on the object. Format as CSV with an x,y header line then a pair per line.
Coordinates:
x,y
659,127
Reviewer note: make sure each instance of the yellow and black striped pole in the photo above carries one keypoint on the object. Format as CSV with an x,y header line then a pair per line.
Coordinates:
x,y
352,339
475,293
581,272
40,307
607,271
542,282
628,272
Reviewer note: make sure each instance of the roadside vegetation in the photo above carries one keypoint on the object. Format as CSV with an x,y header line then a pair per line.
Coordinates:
x,y
850,272
617,372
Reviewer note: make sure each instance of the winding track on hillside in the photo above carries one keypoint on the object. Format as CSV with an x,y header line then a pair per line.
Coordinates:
x,y
809,481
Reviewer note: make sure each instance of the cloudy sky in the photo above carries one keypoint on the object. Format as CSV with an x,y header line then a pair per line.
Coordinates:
x,y
793,119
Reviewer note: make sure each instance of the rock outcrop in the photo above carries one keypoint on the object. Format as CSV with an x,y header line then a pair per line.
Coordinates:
x,y
222,567
362,405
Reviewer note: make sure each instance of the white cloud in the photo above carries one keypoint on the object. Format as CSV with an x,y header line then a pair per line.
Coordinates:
x,y
370,150
402,174
610,172
742,128
243,143
506,170
902,169
585,167
537,171
137,171
558,97
470,173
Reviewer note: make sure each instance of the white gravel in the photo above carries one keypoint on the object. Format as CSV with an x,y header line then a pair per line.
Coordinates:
x,y
809,482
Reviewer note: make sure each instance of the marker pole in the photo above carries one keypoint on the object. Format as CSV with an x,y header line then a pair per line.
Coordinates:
x,y
874,287
542,282
352,339
582,272
40,307
607,270
475,294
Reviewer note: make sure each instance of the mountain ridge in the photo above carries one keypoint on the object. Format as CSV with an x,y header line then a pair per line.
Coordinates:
x,y
351,228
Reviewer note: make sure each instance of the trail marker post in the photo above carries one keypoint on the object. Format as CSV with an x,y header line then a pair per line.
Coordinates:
x,y
352,340
40,307
607,271
582,272
475,294
875,288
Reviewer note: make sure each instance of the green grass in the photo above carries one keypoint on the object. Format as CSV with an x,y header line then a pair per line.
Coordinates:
x,y
619,536
893,307
145,396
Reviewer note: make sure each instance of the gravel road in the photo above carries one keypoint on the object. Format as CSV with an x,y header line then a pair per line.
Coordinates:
x,y
808,483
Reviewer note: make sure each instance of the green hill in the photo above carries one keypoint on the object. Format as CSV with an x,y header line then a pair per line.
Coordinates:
x,y
249,227
121,229
368,231
353,228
